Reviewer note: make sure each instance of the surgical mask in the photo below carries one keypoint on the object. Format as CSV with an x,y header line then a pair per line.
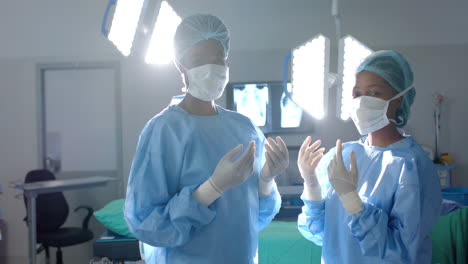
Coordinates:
x,y
207,82
369,113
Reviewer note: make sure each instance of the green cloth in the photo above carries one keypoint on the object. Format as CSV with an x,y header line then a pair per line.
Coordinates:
x,y
112,217
450,238
281,243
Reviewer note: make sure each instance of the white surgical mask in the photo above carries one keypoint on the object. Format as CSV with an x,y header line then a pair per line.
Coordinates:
x,y
207,82
369,113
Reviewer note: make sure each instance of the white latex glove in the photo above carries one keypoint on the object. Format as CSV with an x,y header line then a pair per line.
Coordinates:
x,y
345,182
277,160
228,173
309,157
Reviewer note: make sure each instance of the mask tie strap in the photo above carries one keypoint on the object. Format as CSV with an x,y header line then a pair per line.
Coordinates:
x,y
401,93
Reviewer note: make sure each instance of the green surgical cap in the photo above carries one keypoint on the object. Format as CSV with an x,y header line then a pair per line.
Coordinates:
x,y
393,67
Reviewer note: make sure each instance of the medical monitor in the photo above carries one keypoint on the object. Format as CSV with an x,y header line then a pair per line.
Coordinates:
x,y
268,106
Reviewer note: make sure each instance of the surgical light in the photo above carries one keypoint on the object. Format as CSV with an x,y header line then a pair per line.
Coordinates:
x,y
124,24
310,62
160,49
352,53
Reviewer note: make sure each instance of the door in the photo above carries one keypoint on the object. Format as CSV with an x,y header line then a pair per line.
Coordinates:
x,y
81,120
80,134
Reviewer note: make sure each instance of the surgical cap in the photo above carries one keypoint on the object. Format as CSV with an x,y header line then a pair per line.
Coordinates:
x,y
393,67
196,28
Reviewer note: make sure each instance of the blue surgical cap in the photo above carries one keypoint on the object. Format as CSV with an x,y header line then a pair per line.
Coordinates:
x,y
196,28
394,68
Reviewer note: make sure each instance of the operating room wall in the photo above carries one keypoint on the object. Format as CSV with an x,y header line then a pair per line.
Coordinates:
x,y
19,152
146,90
442,70
437,69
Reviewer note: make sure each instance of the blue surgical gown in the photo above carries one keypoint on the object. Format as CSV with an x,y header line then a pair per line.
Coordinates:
x,y
401,197
176,153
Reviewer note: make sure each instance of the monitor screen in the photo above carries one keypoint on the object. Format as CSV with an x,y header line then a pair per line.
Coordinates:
x,y
252,100
291,113
268,106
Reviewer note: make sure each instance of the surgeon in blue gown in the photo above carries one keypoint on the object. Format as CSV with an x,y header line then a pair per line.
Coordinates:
x,y
202,183
373,200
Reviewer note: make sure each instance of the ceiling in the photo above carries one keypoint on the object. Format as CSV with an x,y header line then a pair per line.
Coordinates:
x,y
72,28
278,23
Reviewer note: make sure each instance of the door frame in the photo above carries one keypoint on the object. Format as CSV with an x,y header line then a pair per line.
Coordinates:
x,y
41,68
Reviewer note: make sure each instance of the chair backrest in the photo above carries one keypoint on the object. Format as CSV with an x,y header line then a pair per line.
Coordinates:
x,y
51,208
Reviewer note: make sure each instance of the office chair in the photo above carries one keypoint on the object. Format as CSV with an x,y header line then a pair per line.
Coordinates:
x,y
52,211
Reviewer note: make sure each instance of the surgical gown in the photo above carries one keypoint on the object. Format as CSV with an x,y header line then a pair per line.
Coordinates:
x,y
401,198
176,153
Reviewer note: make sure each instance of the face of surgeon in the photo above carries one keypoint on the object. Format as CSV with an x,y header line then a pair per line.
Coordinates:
x,y
204,52
371,84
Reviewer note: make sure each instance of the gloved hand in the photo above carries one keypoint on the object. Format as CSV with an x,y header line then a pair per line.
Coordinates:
x,y
228,173
345,182
277,160
309,157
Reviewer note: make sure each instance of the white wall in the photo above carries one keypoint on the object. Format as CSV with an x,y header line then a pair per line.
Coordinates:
x,y
18,149
442,69
19,152
147,89
436,69
68,31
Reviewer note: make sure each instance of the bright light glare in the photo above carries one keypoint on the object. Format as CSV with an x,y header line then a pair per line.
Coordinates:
x,y
252,101
353,53
309,75
160,50
124,25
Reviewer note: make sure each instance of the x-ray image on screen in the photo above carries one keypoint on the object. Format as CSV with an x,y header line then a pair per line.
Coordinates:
x,y
252,101
291,113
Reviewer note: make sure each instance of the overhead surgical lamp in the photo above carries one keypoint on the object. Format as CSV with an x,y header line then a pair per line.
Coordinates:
x,y
351,54
147,17
309,75
160,49
124,23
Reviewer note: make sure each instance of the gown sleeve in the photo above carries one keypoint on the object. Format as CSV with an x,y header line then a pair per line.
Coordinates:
x,y
312,219
269,205
397,235
157,212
